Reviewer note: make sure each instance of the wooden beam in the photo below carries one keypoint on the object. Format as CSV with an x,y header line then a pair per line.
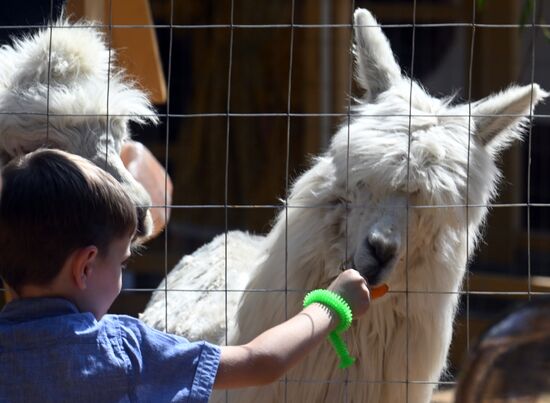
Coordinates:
x,y
136,43
490,282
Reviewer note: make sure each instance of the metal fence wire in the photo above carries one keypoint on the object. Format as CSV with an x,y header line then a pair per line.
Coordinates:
x,y
254,90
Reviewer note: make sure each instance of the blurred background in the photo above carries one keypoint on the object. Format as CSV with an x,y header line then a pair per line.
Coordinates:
x,y
248,91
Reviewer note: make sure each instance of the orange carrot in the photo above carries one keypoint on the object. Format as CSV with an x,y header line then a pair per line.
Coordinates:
x,y
377,292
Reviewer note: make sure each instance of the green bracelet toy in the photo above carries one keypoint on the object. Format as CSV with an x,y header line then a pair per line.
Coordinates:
x,y
339,305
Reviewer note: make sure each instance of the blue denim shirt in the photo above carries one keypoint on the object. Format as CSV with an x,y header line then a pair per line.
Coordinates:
x,y
51,352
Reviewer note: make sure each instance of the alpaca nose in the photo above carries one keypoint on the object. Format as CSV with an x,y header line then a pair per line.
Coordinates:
x,y
382,247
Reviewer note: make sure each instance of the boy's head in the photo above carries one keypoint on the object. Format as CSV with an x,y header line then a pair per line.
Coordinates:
x,y
52,204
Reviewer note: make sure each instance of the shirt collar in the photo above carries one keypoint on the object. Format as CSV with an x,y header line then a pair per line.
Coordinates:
x,y
26,309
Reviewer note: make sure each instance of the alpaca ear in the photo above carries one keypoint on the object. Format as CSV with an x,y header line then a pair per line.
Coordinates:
x,y
376,67
500,119
80,264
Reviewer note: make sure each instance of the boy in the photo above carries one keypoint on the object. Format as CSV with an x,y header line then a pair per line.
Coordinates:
x,y
66,229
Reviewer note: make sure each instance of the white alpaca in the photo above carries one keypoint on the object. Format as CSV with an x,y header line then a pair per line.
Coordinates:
x,y
389,197
60,89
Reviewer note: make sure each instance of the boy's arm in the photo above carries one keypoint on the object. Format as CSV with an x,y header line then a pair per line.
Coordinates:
x,y
266,358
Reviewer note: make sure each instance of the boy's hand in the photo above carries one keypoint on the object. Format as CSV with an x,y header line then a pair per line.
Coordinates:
x,y
351,286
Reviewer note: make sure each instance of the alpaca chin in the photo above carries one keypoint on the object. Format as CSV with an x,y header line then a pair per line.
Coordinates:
x,y
142,201
145,225
377,272
378,277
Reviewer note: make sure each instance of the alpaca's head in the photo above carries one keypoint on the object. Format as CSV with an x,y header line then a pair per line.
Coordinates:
x,y
59,89
424,152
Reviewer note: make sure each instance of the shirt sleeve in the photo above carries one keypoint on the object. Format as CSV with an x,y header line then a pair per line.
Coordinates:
x,y
167,367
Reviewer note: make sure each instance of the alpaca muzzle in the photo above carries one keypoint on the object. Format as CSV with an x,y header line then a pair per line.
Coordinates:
x,y
135,191
142,201
377,256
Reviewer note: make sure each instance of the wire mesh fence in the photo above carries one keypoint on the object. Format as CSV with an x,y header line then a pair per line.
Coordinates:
x,y
252,92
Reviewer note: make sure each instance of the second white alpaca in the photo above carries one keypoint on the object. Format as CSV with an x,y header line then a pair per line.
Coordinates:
x,y
60,88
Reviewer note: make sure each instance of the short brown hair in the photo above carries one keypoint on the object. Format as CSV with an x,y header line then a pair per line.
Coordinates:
x,y
51,204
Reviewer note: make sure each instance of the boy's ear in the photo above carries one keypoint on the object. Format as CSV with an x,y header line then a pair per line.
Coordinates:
x,y
81,265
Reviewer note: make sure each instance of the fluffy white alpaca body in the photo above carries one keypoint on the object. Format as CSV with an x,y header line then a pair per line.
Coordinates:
x,y
389,198
59,89
198,287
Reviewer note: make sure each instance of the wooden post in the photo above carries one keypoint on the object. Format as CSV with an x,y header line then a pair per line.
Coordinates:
x,y
496,65
136,43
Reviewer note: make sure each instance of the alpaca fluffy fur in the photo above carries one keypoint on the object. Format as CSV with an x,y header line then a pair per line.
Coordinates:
x,y
58,88
389,198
